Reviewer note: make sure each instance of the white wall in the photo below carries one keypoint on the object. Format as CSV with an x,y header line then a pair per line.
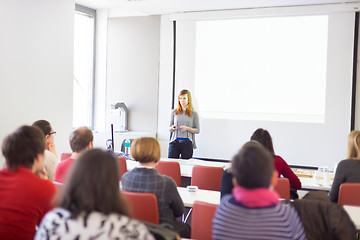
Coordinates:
x,y
100,70
165,83
166,68
132,69
36,65
123,62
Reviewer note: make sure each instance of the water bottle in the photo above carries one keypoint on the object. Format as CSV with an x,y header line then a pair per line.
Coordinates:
x,y
127,146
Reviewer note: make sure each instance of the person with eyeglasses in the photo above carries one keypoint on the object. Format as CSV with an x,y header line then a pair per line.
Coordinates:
x,y
51,158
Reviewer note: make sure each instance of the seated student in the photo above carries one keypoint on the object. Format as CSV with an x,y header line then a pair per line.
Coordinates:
x,y
263,137
24,196
90,204
80,140
348,170
226,185
323,219
253,211
146,178
51,159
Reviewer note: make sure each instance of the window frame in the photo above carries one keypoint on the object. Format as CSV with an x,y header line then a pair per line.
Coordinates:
x,y
79,9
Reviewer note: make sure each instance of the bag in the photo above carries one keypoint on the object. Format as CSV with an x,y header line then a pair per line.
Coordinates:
x,y
293,194
161,233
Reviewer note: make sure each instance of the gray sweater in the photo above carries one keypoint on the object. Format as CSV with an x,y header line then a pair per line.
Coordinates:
x,y
347,171
184,120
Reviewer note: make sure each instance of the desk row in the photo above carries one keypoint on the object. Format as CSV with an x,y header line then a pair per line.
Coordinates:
x,y
213,197
186,167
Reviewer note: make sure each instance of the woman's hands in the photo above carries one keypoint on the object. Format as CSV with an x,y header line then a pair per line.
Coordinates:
x,y
186,128
41,173
183,128
173,128
51,147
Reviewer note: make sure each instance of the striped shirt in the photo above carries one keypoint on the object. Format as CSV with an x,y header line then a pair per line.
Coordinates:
x,y
236,221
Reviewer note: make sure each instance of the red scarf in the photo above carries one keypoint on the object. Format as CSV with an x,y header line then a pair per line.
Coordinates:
x,y
259,197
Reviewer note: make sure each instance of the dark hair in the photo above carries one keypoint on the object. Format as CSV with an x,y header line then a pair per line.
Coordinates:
x,y
23,146
263,137
253,166
80,139
44,126
92,184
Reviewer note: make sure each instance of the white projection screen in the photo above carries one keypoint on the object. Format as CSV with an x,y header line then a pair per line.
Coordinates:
x,y
291,75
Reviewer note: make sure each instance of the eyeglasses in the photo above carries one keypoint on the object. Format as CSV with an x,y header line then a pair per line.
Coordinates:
x,y
52,133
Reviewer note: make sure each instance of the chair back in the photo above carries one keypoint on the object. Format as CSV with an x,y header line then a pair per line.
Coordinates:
x,y
59,187
282,187
349,194
122,166
202,220
171,169
143,206
65,155
208,178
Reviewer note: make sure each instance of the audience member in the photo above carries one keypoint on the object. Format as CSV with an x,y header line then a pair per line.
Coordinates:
x,y
323,219
263,137
24,197
348,170
226,185
146,178
80,140
253,210
51,159
90,204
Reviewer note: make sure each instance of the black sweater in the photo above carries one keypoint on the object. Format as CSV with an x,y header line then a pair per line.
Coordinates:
x,y
348,171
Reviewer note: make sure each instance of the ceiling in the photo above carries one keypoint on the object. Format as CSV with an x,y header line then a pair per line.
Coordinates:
x,y
122,8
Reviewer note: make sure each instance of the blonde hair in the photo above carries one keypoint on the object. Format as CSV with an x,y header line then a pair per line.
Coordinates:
x,y
145,150
354,144
189,107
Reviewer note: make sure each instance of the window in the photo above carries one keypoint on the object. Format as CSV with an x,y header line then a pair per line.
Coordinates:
x,y
83,83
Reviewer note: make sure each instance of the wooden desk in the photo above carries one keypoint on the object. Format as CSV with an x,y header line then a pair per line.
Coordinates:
x,y
200,195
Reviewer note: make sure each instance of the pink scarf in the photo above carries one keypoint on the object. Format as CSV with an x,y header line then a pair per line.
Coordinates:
x,y
259,197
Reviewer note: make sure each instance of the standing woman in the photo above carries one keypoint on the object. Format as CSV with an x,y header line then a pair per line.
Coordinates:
x,y
184,124
51,159
348,170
